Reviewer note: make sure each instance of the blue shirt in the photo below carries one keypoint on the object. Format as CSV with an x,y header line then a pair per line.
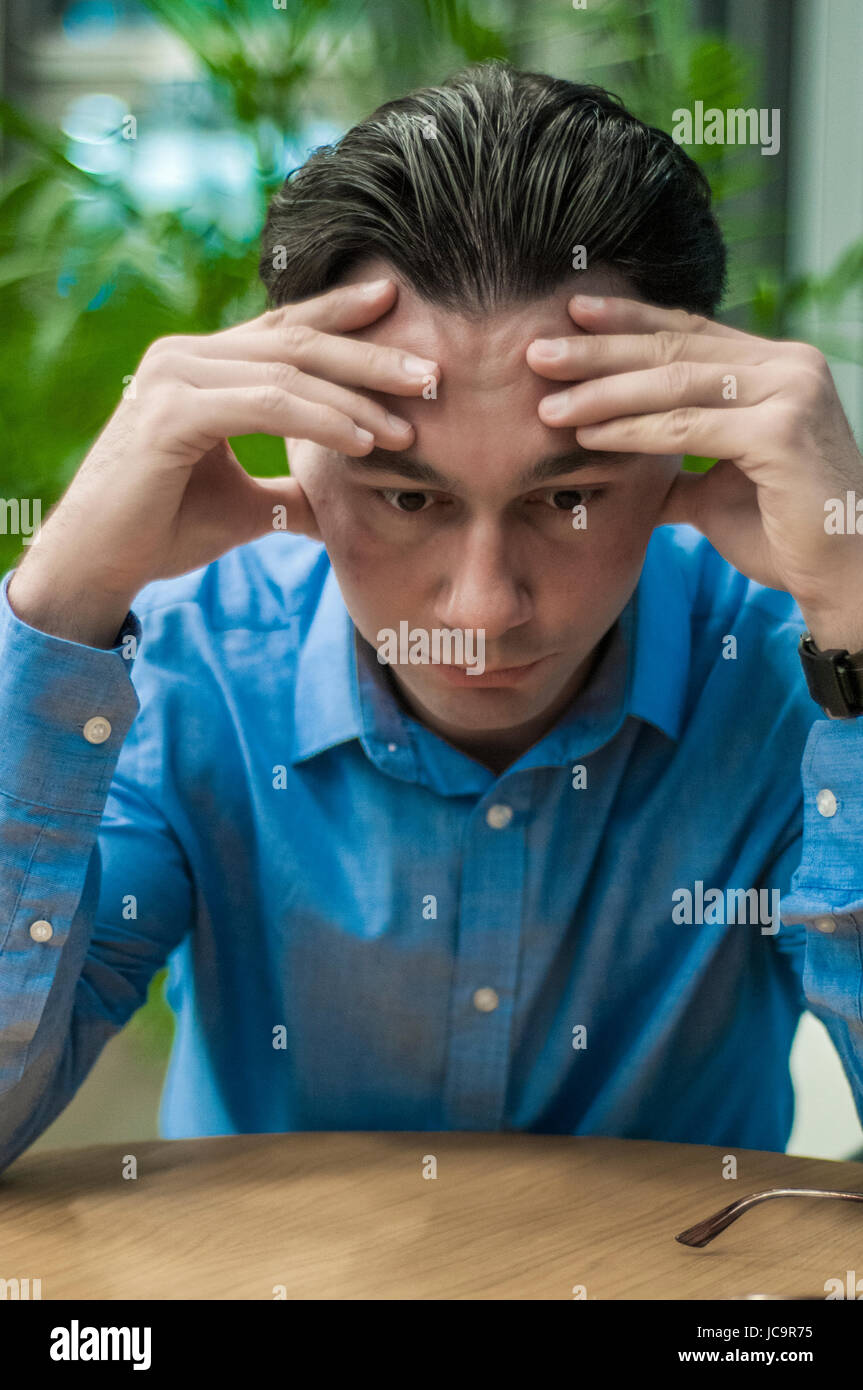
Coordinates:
x,y
368,929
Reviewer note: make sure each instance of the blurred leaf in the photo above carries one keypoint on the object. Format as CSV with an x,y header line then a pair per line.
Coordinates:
x,y
151,1029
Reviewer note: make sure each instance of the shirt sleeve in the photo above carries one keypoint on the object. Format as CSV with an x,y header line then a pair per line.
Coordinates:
x,y
94,888
826,893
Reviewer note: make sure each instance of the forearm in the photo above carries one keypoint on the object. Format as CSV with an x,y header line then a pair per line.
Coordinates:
x,y
66,605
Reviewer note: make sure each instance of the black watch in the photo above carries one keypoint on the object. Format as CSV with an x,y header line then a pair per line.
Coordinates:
x,y
834,677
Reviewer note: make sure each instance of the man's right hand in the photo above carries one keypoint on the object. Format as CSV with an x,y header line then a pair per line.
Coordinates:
x,y
161,492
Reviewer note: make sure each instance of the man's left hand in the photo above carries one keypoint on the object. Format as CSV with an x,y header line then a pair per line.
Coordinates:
x,y
663,381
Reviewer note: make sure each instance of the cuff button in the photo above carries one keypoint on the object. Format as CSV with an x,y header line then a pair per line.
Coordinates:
x,y
97,729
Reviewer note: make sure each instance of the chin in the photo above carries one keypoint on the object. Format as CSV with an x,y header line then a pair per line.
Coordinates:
x,y
482,710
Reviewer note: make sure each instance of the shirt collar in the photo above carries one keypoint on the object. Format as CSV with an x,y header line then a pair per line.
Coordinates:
x,y
662,637
327,707
341,693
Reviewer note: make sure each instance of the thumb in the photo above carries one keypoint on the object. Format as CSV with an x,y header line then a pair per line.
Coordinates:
x,y
722,497
285,507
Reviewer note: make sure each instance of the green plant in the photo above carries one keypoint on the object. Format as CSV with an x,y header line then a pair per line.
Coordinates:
x,y
151,1029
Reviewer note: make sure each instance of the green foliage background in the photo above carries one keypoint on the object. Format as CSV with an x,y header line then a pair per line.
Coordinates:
x,y
130,276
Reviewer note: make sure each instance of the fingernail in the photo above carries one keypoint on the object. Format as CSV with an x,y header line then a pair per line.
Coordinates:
x,y
418,366
364,436
371,287
397,424
552,407
549,347
588,301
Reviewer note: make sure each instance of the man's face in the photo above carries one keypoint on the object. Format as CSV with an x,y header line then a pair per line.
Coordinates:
x,y
488,549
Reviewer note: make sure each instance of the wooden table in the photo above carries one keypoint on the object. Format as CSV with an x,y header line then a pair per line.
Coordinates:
x,y
347,1216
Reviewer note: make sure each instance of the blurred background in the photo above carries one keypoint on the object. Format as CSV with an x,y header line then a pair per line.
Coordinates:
x,y
140,141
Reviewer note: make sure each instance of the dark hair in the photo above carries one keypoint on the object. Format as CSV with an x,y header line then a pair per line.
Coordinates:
x,y
477,192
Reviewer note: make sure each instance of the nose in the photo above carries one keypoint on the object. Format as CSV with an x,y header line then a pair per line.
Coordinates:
x,y
482,585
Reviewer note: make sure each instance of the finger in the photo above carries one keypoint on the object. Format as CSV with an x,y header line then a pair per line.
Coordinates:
x,y
343,309
661,388
286,493
195,421
221,494
722,503
591,355
344,361
616,314
390,430
685,430
351,361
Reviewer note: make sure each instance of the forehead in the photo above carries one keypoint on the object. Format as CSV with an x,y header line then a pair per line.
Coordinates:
x,y
484,417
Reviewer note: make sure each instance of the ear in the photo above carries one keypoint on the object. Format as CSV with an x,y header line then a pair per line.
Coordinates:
x,y
677,504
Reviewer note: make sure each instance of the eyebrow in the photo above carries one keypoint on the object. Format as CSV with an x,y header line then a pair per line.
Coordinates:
x,y
554,466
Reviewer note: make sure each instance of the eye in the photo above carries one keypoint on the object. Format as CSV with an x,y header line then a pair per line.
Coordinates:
x,y
403,501
409,502
564,499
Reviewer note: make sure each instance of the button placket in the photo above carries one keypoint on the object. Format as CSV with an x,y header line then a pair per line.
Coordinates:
x,y
486,968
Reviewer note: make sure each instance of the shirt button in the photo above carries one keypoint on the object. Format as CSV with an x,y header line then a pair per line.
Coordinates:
x,y
826,802
97,729
392,747
499,817
485,1000
41,931
825,924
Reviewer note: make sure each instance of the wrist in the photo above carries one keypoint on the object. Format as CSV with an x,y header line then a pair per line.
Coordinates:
x,y
74,611
835,630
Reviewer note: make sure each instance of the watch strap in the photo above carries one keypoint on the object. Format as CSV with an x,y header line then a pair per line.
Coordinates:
x,y
834,678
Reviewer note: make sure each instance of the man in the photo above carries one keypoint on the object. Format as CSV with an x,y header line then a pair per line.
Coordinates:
x,y
531,884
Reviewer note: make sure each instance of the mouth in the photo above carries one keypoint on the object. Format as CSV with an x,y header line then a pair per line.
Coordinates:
x,y
499,676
